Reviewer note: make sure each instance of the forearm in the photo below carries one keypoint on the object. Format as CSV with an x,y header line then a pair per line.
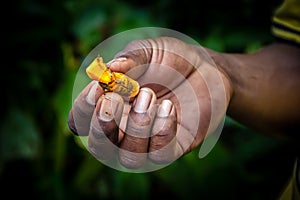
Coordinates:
x,y
266,88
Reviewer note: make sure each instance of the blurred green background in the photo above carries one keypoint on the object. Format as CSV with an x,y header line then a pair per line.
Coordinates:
x,y
44,43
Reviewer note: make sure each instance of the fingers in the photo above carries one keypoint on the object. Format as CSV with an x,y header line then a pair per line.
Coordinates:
x,y
150,132
83,108
134,146
104,131
150,135
163,146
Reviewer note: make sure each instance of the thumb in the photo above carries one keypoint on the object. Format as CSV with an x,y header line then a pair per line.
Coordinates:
x,y
136,54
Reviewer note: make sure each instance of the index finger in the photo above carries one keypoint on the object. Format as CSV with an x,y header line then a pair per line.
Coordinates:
x,y
82,110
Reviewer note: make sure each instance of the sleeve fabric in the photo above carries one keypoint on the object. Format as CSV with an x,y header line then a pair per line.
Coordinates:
x,y
286,22
286,28
291,192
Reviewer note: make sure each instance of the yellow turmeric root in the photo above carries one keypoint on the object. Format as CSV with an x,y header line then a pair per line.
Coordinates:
x,y
112,81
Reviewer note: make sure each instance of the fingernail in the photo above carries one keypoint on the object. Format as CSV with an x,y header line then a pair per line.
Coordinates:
x,y
91,96
165,108
120,59
109,107
143,101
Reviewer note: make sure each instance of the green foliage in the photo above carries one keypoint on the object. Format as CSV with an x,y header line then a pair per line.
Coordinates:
x,y
19,137
41,159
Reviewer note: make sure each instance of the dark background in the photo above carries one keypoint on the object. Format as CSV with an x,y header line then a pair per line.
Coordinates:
x,y
44,43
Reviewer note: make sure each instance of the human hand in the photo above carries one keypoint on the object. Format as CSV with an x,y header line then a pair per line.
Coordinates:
x,y
183,98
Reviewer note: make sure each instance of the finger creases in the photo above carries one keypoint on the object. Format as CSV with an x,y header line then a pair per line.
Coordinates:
x,y
163,147
134,146
104,130
83,108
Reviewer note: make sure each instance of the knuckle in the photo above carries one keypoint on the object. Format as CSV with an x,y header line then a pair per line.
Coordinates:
x,y
163,153
132,160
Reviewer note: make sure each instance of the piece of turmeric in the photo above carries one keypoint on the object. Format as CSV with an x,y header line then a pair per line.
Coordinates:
x,y
112,81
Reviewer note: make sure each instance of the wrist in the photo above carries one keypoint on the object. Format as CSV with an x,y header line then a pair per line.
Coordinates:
x,y
221,62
